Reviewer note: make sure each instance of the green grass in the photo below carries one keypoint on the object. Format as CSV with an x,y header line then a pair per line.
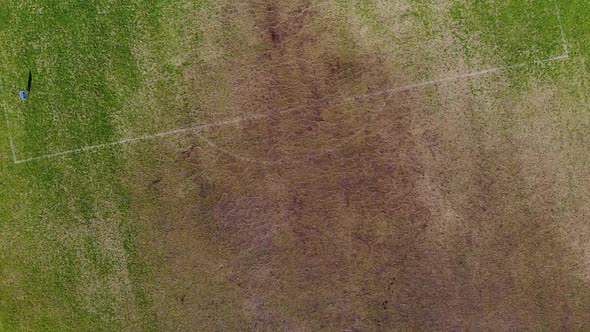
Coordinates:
x,y
68,258
105,70
76,58
90,65
429,36
516,31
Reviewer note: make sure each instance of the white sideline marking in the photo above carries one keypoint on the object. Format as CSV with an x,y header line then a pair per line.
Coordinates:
x,y
391,92
144,137
237,120
458,77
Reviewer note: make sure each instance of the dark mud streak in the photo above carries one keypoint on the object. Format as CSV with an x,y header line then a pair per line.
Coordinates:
x,y
341,240
315,82
344,233
317,242
274,28
342,224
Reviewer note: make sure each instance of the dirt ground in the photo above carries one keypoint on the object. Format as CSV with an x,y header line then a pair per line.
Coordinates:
x,y
430,209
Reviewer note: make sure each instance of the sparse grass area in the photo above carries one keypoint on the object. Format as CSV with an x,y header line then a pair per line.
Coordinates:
x,y
454,206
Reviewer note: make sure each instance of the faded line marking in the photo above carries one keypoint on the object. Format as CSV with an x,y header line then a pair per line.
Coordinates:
x,y
562,30
142,138
459,77
263,115
391,92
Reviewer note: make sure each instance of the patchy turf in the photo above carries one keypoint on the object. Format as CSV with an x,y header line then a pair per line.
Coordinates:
x,y
332,201
69,251
429,209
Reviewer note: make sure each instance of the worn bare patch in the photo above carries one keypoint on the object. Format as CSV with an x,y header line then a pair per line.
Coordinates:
x,y
431,209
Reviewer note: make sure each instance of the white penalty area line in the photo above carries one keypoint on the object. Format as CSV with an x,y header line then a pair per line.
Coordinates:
x,y
238,120
458,77
131,140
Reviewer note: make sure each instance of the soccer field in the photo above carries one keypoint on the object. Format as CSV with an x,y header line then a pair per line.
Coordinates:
x,y
205,165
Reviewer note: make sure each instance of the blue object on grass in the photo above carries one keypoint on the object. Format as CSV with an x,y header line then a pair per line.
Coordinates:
x,y
22,94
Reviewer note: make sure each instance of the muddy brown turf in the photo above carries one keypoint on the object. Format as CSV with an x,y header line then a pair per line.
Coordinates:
x,y
333,213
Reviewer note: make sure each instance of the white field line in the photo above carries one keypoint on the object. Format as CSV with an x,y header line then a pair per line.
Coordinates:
x,y
402,89
392,92
457,77
238,120
142,138
562,30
